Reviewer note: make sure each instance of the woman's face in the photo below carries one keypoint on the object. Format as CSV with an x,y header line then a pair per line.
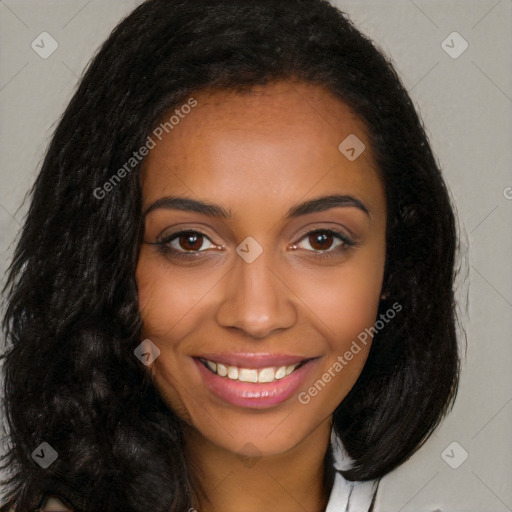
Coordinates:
x,y
263,258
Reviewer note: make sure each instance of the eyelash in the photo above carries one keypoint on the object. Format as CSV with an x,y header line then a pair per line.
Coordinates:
x,y
164,247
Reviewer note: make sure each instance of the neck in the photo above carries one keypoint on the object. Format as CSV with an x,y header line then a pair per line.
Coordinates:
x,y
295,480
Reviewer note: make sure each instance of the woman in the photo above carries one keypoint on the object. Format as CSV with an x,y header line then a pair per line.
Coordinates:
x,y
233,289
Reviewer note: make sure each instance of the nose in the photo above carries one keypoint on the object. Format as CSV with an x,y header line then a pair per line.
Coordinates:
x,y
257,299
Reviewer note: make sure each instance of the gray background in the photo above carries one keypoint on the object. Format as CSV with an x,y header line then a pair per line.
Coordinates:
x,y
466,104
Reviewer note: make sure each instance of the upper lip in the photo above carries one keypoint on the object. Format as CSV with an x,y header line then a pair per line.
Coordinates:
x,y
253,360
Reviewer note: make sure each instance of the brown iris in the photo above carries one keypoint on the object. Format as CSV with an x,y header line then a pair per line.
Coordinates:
x,y
320,240
190,241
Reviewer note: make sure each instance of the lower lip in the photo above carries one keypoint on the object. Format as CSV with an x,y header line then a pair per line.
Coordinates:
x,y
253,395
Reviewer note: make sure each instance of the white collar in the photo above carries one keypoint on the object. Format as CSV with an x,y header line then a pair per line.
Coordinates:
x,y
347,496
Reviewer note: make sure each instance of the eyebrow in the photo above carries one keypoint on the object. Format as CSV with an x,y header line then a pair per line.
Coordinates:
x,y
318,204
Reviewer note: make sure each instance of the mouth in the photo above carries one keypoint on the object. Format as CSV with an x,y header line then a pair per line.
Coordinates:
x,y
254,381
260,375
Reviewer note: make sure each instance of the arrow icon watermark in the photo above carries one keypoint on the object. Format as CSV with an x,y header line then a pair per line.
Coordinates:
x,y
147,352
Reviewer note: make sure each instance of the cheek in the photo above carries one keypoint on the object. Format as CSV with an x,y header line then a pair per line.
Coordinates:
x,y
157,299
346,306
343,305
166,296
353,308
166,304
343,302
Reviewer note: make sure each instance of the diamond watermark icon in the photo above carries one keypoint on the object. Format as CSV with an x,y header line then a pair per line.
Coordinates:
x,y
147,352
251,455
249,249
454,455
454,45
44,45
45,455
351,147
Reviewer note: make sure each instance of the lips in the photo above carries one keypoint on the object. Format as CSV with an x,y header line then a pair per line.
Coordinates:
x,y
253,380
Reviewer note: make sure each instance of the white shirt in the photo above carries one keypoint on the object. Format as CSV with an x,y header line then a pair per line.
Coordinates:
x,y
347,496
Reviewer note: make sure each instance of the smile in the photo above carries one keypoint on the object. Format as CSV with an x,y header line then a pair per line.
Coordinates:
x,y
255,381
261,375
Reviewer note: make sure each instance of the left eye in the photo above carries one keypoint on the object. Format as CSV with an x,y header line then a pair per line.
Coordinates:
x,y
322,241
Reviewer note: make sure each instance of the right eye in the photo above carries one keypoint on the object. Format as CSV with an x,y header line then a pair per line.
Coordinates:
x,y
187,244
187,241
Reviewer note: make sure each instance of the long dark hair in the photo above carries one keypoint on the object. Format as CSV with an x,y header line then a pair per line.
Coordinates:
x,y
72,320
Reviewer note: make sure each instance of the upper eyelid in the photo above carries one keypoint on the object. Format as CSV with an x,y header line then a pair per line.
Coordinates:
x,y
184,230
199,227
337,232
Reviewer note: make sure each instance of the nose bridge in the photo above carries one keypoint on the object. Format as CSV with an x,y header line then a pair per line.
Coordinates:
x,y
256,301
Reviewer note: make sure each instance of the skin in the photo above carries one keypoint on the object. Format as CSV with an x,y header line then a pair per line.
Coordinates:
x,y
257,155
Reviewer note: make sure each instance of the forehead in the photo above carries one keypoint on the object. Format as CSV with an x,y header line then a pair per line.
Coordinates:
x,y
277,141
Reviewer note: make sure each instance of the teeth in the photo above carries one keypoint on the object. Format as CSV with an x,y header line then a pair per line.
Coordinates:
x,y
221,370
266,375
289,369
251,375
248,375
281,372
233,372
